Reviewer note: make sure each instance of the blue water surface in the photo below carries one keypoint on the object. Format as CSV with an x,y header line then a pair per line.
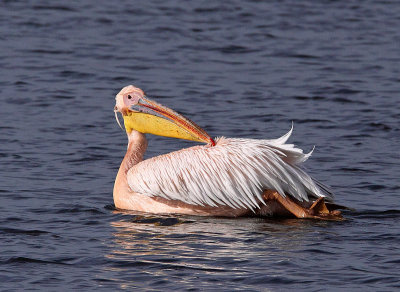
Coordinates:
x,y
237,68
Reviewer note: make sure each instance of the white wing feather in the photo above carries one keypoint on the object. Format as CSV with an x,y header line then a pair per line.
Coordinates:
x,y
233,173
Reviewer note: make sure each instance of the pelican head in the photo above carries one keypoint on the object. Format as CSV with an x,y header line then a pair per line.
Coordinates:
x,y
146,116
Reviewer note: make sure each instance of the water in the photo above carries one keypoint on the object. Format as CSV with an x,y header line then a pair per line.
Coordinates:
x,y
237,69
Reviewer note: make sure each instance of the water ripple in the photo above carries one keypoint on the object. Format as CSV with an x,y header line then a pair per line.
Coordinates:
x,y
238,68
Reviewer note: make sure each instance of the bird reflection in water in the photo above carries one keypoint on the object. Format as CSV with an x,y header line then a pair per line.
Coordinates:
x,y
145,234
150,247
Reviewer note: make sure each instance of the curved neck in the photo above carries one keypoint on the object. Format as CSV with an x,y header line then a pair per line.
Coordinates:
x,y
137,145
134,154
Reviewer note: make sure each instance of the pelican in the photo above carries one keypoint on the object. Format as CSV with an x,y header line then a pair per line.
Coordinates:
x,y
227,177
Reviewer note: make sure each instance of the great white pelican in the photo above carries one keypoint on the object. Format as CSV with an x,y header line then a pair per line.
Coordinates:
x,y
226,177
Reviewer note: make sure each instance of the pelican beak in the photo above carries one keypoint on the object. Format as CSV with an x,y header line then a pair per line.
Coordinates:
x,y
147,116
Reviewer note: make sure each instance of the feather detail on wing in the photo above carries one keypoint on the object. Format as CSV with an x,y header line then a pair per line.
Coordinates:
x,y
233,173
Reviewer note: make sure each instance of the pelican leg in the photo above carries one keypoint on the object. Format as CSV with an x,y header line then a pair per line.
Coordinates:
x,y
318,209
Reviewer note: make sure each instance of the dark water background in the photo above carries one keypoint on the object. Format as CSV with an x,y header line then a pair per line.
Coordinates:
x,y
244,69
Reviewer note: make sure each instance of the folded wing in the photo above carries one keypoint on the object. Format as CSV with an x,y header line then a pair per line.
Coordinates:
x,y
233,173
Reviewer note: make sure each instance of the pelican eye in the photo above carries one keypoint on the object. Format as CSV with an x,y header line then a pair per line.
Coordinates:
x,y
129,96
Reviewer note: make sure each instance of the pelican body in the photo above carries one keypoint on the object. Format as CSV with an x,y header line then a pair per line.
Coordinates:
x,y
225,177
